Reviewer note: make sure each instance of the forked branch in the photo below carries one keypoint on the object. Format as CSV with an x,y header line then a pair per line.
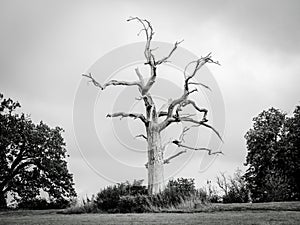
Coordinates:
x,y
166,58
210,152
175,107
201,123
148,30
180,142
201,110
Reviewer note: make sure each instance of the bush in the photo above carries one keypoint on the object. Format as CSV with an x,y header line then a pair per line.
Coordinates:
x,y
134,204
236,196
174,194
202,195
133,198
178,190
128,198
109,198
42,203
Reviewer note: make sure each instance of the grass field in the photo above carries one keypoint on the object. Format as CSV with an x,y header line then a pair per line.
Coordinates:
x,y
263,213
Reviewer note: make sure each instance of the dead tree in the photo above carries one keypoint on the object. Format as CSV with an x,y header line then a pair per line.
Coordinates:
x,y
223,183
156,121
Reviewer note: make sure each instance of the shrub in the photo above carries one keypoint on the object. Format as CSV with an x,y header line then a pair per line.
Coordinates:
x,y
126,197
133,198
134,204
201,195
109,198
43,203
178,191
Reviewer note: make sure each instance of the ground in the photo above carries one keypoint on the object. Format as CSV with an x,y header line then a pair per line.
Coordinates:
x,y
272,213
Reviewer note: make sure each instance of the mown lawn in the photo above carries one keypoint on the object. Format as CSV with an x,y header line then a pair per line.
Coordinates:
x,y
266,213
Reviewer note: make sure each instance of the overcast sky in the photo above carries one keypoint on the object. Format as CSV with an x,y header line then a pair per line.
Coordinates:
x,y
45,46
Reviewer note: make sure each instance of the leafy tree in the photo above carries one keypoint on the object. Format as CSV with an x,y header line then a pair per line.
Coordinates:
x,y
273,156
289,154
32,158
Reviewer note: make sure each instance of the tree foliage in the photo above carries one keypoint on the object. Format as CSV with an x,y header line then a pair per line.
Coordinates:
x,y
32,157
273,156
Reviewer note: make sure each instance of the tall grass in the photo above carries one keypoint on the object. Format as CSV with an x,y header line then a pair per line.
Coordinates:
x,y
86,205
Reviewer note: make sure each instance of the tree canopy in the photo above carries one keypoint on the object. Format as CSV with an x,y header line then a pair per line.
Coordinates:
x,y
274,156
32,157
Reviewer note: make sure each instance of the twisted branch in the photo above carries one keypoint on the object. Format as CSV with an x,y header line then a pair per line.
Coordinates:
x,y
166,58
112,82
180,142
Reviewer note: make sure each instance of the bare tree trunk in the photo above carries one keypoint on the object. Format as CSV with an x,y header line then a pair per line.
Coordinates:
x,y
155,160
3,203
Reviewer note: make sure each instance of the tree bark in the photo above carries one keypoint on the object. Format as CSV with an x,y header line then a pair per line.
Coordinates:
x,y
155,160
3,203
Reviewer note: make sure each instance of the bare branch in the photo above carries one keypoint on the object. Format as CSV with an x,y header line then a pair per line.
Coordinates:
x,y
148,55
198,65
201,123
161,113
112,82
181,140
132,115
183,100
97,84
210,152
214,130
171,108
222,183
123,83
147,28
167,160
202,110
141,136
184,132
203,85
165,59
150,82
140,76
